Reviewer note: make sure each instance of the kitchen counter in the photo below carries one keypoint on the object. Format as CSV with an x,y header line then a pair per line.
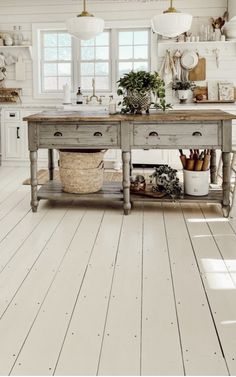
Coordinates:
x,y
198,129
158,116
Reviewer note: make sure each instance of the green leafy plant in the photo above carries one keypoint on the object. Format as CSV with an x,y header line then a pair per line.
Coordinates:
x,y
183,85
166,180
137,88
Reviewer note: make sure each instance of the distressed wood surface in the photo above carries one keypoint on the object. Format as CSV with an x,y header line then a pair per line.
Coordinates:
x,y
179,115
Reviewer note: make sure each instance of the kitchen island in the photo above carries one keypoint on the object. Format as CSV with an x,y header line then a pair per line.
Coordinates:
x,y
197,129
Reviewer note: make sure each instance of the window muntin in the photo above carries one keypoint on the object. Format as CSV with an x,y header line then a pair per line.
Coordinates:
x,y
56,63
133,50
95,63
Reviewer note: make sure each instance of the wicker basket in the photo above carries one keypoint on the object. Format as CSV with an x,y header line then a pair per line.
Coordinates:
x,y
81,172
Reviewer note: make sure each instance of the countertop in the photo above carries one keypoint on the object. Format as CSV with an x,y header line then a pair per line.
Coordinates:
x,y
170,116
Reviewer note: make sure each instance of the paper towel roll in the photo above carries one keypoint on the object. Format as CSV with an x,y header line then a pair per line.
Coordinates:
x,y
66,94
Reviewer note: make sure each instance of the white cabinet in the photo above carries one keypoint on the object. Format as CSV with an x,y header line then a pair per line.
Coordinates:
x,y
12,141
14,137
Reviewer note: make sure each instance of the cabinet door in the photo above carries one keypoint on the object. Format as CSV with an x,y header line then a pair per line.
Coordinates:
x,y
12,140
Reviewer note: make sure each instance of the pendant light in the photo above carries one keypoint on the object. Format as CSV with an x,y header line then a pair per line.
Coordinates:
x,y
85,25
171,23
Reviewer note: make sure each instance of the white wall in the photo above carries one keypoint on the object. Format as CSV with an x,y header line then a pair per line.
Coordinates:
x,y
27,12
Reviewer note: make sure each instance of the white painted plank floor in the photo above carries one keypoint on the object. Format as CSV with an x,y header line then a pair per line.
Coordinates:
x,y
85,290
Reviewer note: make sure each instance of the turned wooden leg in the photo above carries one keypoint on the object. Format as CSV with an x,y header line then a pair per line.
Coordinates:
x,y
51,164
213,167
126,181
34,181
226,183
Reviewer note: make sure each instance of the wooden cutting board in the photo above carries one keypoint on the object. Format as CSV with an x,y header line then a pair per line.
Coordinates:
x,y
199,72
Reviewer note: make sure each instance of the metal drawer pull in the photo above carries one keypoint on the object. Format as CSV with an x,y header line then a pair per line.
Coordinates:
x,y
197,133
17,132
58,134
12,115
153,133
99,134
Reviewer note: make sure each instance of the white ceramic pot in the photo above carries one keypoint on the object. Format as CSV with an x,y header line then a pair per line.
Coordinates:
x,y
183,94
196,183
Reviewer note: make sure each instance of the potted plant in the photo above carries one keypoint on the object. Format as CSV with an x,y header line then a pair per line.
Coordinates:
x,y
137,89
183,87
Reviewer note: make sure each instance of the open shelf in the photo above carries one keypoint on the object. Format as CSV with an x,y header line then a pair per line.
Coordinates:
x,y
29,47
113,191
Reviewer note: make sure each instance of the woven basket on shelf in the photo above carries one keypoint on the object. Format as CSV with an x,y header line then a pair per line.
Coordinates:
x,y
81,172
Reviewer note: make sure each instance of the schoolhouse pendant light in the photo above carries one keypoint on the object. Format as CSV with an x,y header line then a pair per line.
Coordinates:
x,y
85,25
171,23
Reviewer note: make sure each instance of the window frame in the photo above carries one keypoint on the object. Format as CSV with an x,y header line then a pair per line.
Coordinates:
x,y
43,61
113,27
110,76
148,60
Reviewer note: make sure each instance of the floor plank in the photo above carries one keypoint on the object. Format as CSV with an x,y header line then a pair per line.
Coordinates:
x,y
219,280
161,348
121,349
81,349
42,346
201,349
33,279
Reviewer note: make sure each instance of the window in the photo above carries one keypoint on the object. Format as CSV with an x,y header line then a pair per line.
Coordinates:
x,y
56,66
95,62
133,51
63,59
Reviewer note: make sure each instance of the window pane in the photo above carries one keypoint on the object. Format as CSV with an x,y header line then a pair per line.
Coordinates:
x,y
125,67
125,52
140,52
87,69
50,83
50,53
62,81
50,69
64,40
140,66
102,53
125,38
140,37
102,69
90,42
64,53
50,40
86,83
102,83
102,39
87,53
64,69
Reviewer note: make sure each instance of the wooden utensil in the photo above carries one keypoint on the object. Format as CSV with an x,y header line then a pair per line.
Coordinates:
x,y
199,72
206,161
182,158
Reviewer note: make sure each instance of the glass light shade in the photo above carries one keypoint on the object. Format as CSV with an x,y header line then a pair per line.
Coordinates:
x,y
171,24
85,27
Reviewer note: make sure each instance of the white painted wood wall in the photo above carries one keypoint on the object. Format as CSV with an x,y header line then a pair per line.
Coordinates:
x,y
27,12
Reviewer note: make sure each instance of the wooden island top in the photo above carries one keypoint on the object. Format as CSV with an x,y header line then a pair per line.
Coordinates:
x,y
170,116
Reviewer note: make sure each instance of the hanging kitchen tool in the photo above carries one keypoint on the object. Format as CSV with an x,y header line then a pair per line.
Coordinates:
x,y
178,68
20,69
167,71
189,61
199,72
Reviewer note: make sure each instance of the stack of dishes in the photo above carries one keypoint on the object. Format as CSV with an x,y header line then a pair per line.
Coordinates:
x,y
230,29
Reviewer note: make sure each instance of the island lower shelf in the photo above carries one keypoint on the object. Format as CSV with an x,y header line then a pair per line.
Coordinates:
x,y
112,191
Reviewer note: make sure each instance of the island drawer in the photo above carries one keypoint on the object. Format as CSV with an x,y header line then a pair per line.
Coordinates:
x,y
79,135
176,134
